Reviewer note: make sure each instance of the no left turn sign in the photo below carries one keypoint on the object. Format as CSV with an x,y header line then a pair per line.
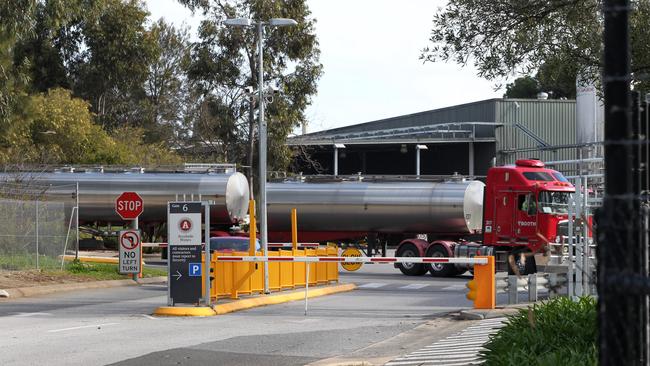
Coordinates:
x,y
130,252
129,240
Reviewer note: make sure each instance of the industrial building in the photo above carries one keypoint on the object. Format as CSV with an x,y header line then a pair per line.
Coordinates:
x,y
466,139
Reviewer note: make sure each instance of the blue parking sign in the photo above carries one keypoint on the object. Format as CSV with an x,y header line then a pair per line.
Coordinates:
x,y
195,269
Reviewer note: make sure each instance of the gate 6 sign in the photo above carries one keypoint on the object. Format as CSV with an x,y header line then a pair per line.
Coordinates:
x,y
184,223
130,252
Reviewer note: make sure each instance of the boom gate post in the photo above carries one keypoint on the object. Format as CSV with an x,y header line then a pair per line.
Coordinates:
x,y
482,288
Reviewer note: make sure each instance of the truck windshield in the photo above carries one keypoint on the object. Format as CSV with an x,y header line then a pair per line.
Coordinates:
x,y
553,202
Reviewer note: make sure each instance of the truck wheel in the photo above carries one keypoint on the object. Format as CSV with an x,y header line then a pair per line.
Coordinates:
x,y
410,269
439,269
526,267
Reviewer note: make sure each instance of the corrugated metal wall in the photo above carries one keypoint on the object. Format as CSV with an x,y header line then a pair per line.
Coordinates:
x,y
551,120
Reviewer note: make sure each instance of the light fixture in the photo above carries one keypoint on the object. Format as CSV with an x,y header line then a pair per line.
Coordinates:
x,y
339,146
403,149
238,22
281,22
421,147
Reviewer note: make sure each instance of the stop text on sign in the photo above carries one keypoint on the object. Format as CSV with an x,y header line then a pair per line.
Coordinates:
x,y
129,205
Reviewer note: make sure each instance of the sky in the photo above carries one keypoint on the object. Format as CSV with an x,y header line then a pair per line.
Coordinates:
x,y
370,54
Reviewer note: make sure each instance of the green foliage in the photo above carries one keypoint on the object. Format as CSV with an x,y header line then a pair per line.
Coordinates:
x,y
555,332
523,87
503,37
62,131
225,62
115,63
131,148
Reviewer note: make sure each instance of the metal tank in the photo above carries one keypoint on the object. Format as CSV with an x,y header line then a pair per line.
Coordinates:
x,y
395,207
98,191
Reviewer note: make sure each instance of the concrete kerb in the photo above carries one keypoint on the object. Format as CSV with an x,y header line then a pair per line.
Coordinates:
x,y
50,289
250,303
479,314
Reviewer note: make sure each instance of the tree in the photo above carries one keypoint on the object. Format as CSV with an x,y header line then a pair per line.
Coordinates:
x,y
502,37
224,63
58,128
523,87
554,77
17,21
167,86
115,63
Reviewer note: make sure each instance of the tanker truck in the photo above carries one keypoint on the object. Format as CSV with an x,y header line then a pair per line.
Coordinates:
x,y
515,214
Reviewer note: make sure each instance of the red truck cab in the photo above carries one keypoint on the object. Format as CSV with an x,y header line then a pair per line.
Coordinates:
x,y
524,205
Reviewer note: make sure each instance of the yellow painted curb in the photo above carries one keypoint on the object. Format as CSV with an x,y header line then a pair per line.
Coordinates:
x,y
109,260
184,311
280,298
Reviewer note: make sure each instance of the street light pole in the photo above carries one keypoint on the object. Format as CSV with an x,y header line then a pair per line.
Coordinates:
x,y
274,22
262,152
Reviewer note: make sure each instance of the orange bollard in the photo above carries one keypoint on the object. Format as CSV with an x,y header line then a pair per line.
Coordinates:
x,y
482,288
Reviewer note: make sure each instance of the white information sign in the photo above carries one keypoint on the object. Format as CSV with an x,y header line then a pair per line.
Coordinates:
x,y
184,223
130,252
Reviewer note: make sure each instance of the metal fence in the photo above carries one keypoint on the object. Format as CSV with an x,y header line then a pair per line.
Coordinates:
x,y
36,228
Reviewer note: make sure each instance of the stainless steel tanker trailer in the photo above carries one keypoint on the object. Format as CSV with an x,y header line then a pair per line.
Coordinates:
x,y
351,209
98,191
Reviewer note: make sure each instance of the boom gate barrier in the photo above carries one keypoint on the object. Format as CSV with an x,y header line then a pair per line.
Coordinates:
x,y
287,270
231,276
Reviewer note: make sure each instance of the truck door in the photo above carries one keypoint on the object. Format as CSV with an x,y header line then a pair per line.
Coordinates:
x,y
526,216
504,208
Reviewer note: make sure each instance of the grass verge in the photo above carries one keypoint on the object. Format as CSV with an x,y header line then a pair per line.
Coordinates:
x,y
105,271
555,332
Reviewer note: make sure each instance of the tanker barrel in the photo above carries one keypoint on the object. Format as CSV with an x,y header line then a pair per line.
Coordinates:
x,y
229,193
454,207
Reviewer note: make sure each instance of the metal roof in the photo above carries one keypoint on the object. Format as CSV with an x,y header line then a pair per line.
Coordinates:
x,y
452,132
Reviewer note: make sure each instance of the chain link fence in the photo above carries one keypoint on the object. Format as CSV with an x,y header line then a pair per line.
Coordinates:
x,y
36,227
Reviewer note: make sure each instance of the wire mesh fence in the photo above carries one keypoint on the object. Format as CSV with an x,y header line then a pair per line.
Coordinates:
x,y
36,228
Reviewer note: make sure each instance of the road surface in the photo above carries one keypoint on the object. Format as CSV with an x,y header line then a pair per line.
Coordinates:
x,y
388,315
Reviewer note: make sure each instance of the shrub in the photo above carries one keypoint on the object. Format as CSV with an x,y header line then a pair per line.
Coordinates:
x,y
555,332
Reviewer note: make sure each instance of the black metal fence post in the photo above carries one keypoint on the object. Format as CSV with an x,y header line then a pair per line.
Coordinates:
x,y
620,274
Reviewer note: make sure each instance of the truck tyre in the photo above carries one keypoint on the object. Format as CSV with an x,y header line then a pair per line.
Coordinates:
x,y
410,269
527,268
439,269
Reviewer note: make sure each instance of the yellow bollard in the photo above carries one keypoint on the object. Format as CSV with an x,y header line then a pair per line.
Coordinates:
x,y
482,289
252,229
332,268
299,269
294,230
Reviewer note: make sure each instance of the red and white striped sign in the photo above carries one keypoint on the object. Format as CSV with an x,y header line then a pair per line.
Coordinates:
x,y
289,245
355,259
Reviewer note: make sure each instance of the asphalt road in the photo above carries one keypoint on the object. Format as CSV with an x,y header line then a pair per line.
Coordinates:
x,y
388,315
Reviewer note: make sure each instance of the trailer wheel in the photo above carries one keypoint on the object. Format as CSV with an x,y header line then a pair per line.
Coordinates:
x,y
439,269
524,261
410,269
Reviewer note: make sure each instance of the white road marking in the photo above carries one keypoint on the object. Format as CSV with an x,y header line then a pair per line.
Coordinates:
x,y
81,327
455,288
149,317
31,314
414,286
458,349
372,285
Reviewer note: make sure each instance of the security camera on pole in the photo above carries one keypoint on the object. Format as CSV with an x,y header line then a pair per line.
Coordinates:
x,y
274,22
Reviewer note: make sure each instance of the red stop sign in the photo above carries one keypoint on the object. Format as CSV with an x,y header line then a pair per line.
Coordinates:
x,y
129,205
